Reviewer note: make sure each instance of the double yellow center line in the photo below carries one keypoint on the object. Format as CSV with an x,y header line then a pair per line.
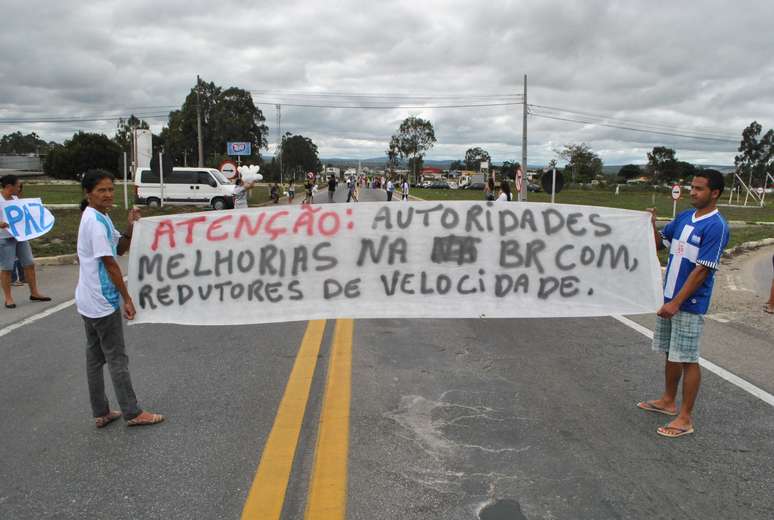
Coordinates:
x,y
328,488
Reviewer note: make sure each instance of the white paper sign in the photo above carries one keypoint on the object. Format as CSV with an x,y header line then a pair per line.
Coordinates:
x,y
393,260
26,218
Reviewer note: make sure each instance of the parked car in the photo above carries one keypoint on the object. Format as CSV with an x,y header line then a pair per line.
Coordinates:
x,y
474,186
439,185
185,186
534,188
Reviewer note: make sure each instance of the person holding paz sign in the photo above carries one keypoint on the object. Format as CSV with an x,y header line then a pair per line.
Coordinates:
x,y
11,249
97,297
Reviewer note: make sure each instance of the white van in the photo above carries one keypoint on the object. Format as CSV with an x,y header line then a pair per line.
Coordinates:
x,y
185,186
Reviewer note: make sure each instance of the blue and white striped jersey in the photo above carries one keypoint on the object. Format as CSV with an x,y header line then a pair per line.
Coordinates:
x,y
693,241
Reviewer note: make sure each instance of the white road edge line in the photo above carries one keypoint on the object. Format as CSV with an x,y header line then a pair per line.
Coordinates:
x,y
36,317
709,365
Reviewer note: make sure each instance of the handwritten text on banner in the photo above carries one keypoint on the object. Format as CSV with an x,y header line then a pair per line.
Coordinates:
x,y
393,260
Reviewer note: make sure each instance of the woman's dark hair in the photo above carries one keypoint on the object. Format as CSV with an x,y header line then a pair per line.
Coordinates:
x,y
239,181
90,179
8,180
505,188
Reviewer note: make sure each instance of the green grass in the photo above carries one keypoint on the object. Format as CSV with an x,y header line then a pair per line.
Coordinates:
x,y
626,200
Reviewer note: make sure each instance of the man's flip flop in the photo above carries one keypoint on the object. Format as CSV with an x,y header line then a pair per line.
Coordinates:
x,y
650,407
679,432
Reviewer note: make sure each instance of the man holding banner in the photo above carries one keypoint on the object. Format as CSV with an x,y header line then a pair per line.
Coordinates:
x,y
12,248
696,240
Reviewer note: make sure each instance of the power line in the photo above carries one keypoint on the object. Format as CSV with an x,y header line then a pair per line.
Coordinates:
x,y
632,129
384,107
342,94
630,122
65,119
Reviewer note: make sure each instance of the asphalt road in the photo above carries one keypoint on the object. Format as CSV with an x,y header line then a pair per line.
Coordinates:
x,y
447,419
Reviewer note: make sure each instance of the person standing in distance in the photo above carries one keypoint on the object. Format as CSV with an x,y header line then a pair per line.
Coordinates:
x,y
505,191
696,239
98,295
404,188
390,189
331,187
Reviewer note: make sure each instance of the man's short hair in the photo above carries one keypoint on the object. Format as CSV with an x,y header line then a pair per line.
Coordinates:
x,y
8,180
714,178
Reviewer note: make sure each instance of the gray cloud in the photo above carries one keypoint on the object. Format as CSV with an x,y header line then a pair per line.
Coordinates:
x,y
695,66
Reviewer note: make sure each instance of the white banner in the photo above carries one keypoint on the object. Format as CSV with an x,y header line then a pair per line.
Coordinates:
x,y
393,260
26,218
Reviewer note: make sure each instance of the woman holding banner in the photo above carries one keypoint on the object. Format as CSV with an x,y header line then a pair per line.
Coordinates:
x,y
11,249
100,284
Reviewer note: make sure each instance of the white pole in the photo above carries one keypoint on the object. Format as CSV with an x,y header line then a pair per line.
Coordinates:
x,y
674,208
126,194
161,176
553,184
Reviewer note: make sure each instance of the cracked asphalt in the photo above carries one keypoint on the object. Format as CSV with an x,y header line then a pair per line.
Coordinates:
x,y
447,418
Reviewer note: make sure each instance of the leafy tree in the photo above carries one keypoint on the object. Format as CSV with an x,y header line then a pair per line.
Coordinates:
x,y
457,165
583,165
474,157
393,155
82,152
17,142
123,135
509,168
661,164
415,137
227,115
270,170
299,155
630,171
756,157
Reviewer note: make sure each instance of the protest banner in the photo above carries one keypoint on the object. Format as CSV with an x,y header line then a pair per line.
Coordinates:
x,y
388,260
26,218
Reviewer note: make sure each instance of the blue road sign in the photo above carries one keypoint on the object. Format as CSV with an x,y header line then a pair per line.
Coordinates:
x,y
239,148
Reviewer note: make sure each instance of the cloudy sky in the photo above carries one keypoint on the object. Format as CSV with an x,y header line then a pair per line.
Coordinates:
x,y
697,72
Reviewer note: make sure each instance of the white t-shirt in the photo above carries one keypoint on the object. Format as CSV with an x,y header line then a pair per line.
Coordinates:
x,y
96,296
405,188
390,186
502,197
4,233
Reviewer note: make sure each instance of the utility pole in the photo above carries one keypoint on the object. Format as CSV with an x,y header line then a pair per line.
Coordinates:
x,y
279,138
524,181
199,124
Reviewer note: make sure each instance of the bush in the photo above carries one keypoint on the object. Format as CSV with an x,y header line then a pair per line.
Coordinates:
x,y
83,152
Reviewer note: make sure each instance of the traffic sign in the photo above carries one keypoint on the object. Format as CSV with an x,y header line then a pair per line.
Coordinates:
x,y
228,168
676,192
239,148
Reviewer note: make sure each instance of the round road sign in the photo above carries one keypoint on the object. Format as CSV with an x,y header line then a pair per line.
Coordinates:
x,y
676,192
228,168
